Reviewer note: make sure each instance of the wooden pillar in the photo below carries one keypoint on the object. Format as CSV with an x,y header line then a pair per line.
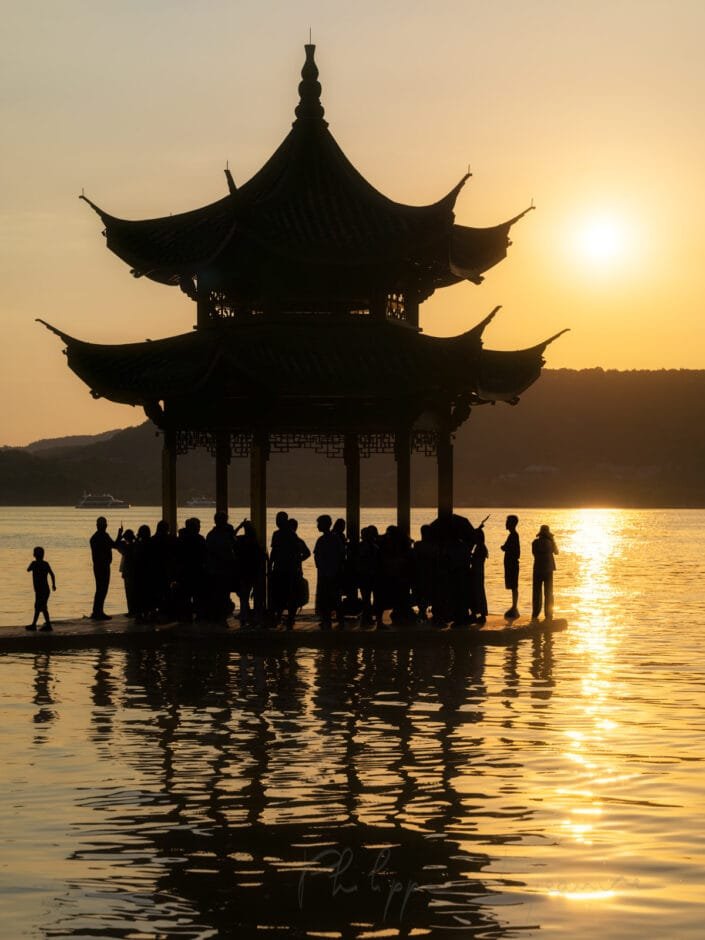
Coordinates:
x,y
411,308
169,479
222,462
203,307
378,305
444,456
351,455
402,453
258,485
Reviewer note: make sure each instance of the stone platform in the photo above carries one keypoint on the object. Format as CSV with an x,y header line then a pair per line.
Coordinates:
x,y
121,631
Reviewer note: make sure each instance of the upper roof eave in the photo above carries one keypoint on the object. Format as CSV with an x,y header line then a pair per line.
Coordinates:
x,y
167,248
307,196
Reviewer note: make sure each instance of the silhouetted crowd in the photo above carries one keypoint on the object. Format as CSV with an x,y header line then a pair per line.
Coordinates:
x,y
440,577
183,576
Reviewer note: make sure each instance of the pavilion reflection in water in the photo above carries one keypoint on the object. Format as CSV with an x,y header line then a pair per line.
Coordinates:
x,y
299,794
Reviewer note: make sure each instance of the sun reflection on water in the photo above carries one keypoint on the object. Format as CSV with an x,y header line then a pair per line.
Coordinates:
x,y
591,546
599,895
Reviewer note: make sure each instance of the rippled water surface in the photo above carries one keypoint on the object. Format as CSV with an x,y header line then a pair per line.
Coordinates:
x,y
554,787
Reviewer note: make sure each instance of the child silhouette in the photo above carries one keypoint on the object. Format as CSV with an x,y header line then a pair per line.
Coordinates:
x,y
41,572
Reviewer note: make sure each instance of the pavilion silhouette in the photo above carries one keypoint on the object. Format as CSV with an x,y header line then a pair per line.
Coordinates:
x,y
307,283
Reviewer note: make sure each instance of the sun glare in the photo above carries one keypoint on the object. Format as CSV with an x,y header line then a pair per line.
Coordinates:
x,y
602,240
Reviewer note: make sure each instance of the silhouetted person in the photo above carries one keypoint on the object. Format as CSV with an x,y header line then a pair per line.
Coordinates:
x,y
127,545
455,536
395,577
285,570
163,551
41,573
145,603
512,553
455,526
338,529
102,554
348,603
424,556
190,569
329,555
250,560
367,565
478,597
543,549
456,558
220,566
302,592
442,609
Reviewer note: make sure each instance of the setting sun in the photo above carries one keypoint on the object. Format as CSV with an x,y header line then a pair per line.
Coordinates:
x,y
602,240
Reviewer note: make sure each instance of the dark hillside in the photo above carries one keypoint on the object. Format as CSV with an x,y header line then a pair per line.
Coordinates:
x,y
594,436
576,438
76,440
26,480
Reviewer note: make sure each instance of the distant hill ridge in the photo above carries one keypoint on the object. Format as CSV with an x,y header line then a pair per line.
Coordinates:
x,y
588,437
74,440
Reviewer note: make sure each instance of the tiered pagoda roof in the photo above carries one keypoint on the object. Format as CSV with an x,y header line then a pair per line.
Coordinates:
x,y
308,222
293,264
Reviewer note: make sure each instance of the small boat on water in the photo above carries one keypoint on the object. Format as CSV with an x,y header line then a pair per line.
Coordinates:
x,y
200,502
101,501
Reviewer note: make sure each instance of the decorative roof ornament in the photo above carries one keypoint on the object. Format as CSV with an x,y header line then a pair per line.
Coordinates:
x,y
232,188
309,106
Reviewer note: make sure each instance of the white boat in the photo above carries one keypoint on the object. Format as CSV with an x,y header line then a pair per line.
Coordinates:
x,y
200,502
101,501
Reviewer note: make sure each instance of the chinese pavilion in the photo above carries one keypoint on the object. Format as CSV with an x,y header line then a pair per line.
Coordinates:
x,y
307,283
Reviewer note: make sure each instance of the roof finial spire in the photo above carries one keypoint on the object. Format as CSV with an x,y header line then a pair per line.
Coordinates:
x,y
309,106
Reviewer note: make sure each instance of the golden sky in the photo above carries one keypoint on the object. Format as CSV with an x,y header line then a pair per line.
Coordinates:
x,y
592,109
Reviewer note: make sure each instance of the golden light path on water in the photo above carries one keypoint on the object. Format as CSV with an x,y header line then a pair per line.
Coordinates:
x,y
580,771
596,539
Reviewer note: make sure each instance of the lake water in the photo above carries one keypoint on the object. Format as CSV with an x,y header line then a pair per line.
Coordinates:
x,y
552,788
